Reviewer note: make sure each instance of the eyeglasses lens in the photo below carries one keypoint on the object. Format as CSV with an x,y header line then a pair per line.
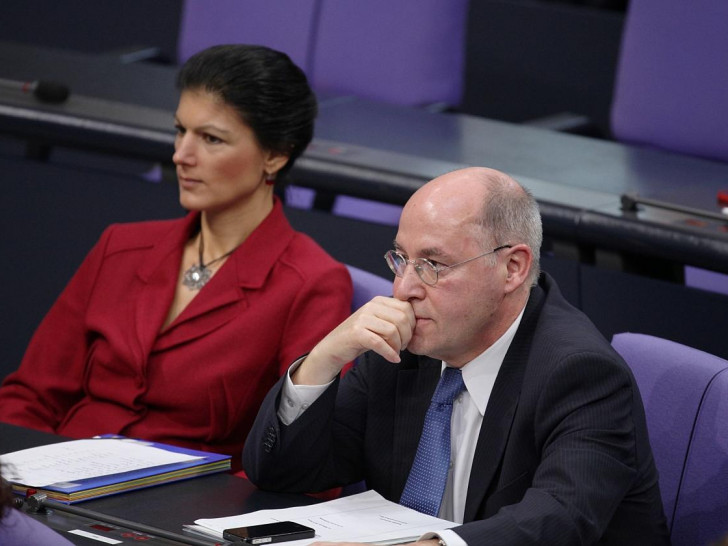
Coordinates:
x,y
398,264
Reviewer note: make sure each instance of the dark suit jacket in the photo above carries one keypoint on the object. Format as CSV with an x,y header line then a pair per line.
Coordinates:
x,y
562,458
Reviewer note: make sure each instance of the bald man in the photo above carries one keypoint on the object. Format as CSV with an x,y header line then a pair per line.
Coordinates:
x,y
547,437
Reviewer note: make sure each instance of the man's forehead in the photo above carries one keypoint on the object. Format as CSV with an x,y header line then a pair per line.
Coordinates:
x,y
430,219
420,251
437,240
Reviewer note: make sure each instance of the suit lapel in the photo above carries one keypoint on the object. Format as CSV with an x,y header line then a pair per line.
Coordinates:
x,y
500,411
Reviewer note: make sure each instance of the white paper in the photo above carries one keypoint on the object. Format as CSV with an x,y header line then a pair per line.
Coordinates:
x,y
366,517
68,462
94,536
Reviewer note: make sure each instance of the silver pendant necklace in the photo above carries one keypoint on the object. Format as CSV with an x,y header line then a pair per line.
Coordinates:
x,y
198,274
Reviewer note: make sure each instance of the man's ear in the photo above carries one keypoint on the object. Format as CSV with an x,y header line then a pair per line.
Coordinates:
x,y
518,266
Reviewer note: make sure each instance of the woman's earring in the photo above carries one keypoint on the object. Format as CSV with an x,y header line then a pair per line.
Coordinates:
x,y
270,179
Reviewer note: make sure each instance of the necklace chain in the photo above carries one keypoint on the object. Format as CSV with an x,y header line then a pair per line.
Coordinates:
x,y
198,274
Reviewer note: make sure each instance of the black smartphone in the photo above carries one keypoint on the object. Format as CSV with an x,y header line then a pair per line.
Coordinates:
x,y
279,531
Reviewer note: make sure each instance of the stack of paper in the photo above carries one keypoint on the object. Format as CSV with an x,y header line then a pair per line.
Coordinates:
x,y
366,517
84,469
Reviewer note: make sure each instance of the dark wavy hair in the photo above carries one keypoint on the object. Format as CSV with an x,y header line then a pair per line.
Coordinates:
x,y
268,90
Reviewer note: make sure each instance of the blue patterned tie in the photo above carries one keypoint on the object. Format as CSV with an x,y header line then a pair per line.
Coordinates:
x,y
428,476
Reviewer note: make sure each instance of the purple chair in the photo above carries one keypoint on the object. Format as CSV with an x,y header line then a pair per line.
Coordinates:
x,y
282,25
706,280
365,209
685,393
409,52
672,82
366,286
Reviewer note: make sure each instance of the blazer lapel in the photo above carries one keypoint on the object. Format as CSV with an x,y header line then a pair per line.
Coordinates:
x,y
500,411
158,281
224,297
219,302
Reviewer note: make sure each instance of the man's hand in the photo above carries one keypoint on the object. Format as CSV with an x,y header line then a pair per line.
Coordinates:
x,y
383,325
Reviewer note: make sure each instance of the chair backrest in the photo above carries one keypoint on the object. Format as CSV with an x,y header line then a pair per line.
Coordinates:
x,y
685,393
366,286
365,209
672,82
285,25
409,52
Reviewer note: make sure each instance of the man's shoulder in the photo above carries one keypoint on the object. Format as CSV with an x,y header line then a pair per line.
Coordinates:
x,y
556,316
556,330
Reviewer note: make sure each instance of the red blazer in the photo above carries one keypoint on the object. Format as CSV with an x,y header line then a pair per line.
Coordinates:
x,y
98,362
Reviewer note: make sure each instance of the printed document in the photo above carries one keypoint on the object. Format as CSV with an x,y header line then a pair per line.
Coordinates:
x,y
366,517
75,460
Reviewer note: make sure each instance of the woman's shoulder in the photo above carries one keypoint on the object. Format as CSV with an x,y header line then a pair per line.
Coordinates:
x,y
304,246
140,234
147,229
309,256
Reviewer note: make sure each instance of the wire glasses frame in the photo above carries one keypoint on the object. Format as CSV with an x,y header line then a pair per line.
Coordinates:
x,y
427,271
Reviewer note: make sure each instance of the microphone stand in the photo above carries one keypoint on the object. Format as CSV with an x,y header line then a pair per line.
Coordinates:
x,y
39,503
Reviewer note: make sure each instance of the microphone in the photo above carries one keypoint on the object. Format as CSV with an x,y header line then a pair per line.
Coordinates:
x,y
43,90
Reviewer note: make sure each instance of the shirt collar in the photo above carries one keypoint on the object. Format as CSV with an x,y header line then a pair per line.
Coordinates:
x,y
480,373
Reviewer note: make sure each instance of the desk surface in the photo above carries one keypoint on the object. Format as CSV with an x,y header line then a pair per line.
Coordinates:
x,y
376,150
167,506
101,75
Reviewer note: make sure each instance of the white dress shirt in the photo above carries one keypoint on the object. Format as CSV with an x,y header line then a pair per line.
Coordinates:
x,y
467,416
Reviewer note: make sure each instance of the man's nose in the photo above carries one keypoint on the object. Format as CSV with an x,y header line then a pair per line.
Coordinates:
x,y
409,285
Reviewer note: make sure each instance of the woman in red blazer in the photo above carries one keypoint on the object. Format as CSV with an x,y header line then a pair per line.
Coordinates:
x,y
174,330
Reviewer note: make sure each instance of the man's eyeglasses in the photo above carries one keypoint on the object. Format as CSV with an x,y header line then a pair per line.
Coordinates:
x,y
427,271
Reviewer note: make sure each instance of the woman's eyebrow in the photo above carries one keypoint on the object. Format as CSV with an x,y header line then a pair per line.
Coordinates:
x,y
211,127
202,128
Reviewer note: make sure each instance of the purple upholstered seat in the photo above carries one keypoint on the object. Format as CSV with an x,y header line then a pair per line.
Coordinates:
x,y
685,393
707,280
282,25
409,52
365,209
672,80
366,286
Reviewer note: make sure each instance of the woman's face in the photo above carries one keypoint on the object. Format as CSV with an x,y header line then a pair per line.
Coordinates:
x,y
220,164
